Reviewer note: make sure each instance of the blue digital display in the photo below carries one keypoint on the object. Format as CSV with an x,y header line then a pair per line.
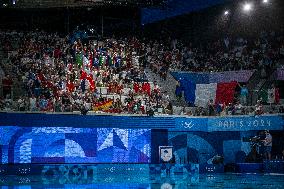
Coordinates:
x,y
74,145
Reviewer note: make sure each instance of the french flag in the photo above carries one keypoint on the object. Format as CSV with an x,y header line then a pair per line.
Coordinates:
x,y
200,94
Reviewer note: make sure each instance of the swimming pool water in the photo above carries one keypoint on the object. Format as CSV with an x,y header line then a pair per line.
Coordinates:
x,y
228,180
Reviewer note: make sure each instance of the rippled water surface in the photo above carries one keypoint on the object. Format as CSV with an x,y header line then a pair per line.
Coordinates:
x,y
273,181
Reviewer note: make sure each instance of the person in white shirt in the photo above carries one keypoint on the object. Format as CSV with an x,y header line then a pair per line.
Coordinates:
x,y
33,102
21,104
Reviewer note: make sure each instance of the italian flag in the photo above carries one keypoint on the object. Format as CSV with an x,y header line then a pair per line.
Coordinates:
x,y
110,61
79,59
102,60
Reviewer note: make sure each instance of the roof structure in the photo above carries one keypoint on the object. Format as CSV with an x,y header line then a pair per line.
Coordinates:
x,y
78,3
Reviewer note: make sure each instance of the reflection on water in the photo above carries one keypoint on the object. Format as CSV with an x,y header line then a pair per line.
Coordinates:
x,y
155,182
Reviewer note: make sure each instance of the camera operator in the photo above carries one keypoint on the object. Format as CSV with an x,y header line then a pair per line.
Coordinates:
x,y
256,144
253,156
261,136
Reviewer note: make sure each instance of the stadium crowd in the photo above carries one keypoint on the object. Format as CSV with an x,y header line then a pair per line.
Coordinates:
x,y
60,75
63,74
227,54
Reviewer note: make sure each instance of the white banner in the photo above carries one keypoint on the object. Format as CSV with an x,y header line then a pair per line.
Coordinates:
x,y
205,92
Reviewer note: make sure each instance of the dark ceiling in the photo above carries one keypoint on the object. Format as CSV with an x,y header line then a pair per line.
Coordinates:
x,y
78,3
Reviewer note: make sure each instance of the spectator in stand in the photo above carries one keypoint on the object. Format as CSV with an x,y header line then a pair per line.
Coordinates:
x,y
239,108
281,51
178,91
243,95
21,104
183,111
7,83
277,94
224,112
281,109
251,112
211,109
231,109
33,103
259,108
218,109
169,109
8,103
43,103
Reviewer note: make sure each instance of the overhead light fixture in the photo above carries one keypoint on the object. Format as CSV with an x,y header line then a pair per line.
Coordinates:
x,y
247,7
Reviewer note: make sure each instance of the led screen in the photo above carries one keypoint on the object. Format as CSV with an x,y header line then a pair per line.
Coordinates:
x,y
74,145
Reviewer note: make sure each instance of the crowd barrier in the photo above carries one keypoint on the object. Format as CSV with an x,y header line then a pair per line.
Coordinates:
x,y
73,138
174,123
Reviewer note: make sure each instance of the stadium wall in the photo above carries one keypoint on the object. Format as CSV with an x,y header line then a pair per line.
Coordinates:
x,y
60,138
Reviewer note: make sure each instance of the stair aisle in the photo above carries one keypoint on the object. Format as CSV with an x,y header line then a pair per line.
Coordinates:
x,y
168,85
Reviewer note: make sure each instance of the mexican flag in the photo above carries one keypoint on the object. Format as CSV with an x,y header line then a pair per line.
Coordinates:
x,y
270,96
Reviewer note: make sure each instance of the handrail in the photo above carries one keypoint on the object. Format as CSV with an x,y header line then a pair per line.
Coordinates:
x,y
132,115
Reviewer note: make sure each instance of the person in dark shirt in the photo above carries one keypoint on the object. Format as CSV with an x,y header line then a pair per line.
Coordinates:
x,y
211,111
267,145
178,91
7,83
253,156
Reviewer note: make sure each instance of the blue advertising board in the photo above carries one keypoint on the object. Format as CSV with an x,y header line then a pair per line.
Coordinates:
x,y
245,123
54,138
191,124
171,123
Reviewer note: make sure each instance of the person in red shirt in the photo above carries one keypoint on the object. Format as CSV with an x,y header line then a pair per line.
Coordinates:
x,y
110,88
70,86
119,89
83,75
136,87
57,52
40,76
148,89
156,87
92,82
50,105
277,95
144,87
